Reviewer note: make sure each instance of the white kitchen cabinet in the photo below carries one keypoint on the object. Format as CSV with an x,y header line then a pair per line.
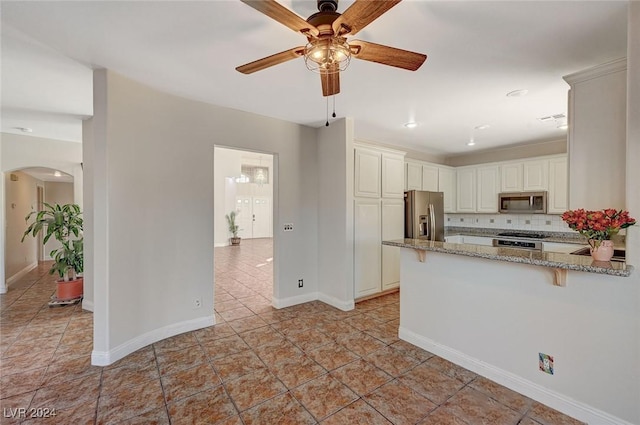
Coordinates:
x,y
367,173
392,228
477,240
565,248
453,239
430,178
413,176
535,175
368,247
392,176
511,174
447,185
488,189
558,196
466,189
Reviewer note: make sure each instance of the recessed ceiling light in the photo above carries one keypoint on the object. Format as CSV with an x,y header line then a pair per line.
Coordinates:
x,y
57,174
518,93
563,126
482,127
411,124
471,142
25,129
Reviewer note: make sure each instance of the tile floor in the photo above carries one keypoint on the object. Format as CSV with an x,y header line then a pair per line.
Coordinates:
x,y
305,364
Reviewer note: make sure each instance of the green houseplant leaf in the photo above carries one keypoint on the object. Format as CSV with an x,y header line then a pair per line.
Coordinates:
x,y
64,223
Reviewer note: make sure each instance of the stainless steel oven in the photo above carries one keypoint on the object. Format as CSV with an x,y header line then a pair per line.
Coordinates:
x,y
523,203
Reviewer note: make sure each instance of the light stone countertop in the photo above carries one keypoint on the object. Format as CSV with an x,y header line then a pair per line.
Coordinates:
x,y
537,258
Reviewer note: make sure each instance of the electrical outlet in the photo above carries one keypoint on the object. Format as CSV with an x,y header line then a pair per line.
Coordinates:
x,y
197,302
545,363
300,283
288,227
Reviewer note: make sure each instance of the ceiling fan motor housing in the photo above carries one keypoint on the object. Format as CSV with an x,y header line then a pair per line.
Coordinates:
x,y
327,5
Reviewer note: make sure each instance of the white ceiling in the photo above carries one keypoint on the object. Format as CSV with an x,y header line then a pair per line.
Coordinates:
x,y
48,174
477,52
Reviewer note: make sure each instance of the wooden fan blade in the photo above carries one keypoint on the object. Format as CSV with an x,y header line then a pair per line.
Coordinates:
x,y
272,60
360,14
278,12
330,83
386,55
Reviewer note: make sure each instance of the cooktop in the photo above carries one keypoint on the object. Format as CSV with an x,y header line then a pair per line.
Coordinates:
x,y
523,235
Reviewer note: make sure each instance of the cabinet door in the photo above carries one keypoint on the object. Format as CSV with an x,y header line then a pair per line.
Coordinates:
x,y
558,186
430,178
466,190
392,176
511,180
447,185
487,195
368,247
535,175
413,176
477,240
392,228
367,173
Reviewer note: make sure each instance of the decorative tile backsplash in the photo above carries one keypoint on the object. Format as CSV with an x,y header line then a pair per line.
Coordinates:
x,y
539,222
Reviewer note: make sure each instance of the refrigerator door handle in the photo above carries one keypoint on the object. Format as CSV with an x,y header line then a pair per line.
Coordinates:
x,y
432,222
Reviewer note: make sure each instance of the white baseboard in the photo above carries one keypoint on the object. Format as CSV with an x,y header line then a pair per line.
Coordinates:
x,y
87,305
219,245
339,304
21,273
105,358
299,299
523,386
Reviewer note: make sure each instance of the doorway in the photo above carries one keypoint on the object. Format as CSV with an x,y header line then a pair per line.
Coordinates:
x,y
243,275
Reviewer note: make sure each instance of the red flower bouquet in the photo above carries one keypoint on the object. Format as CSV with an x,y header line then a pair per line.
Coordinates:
x,y
598,225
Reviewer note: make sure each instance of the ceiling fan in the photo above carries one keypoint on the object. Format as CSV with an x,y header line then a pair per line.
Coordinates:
x,y
327,51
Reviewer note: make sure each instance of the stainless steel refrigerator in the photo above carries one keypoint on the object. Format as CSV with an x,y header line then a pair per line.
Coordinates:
x,y
424,215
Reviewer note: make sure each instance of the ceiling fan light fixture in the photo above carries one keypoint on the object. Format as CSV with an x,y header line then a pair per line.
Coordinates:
x,y
327,55
411,124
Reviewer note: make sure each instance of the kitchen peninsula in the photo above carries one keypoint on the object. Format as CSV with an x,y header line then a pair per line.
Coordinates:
x,y
495,310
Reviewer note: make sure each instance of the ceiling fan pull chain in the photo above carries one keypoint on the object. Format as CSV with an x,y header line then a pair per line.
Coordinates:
x,y
327,123
334,106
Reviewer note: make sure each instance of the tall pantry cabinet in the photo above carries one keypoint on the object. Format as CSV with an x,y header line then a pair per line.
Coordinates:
x,y
378,215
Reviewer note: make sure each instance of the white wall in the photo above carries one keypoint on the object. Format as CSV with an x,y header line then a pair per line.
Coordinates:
x,y
335,213
494,317
19,151
150,206
633,134
21,199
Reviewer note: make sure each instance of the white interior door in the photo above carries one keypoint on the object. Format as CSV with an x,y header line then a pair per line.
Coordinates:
x,y
261,217
244,217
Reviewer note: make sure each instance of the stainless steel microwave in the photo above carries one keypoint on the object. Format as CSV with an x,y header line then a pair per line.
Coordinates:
x,y
523,203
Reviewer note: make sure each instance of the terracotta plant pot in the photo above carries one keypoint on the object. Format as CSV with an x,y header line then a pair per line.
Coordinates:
x,y
69,290
601,250
235,241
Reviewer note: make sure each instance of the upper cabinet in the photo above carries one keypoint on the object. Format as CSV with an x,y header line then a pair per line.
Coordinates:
x,y
488,178
392,176
535,175
466,189
511,174
413,173
524,176
447,185
367,173
378,173
558,197
430,178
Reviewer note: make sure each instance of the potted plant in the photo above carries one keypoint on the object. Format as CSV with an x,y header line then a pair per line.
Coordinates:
x,y
233,227
64,223
599,227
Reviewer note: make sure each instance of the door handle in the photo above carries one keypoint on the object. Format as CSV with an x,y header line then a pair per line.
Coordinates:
x,y
432,220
